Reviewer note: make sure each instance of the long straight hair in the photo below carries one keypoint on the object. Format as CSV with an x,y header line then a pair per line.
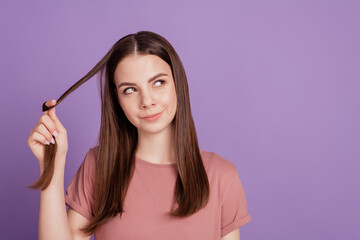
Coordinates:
x,y
117,139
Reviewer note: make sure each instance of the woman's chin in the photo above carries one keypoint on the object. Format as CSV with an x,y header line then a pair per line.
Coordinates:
x,y
154,129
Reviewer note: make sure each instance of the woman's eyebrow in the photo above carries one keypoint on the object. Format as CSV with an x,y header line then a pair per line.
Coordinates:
x,y
151,79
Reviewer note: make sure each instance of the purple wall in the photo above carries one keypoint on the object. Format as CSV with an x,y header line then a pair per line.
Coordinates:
x,y
274,88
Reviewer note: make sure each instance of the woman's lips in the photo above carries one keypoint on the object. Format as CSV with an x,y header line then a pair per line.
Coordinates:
x,y
152,117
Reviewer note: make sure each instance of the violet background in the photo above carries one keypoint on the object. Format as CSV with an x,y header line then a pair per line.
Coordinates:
x,y
274,88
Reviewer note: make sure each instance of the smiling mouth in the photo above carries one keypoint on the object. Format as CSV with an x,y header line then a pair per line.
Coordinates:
x,y
153,117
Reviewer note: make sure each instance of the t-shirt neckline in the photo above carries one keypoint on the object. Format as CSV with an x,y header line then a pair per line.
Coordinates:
x,y
149,164
146,163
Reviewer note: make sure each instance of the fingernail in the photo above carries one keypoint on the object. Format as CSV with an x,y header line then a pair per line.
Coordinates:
x,y
52,141
47,142
55,133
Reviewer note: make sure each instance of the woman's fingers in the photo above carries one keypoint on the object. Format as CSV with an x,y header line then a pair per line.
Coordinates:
x,y
52,115
46,129
45,132
38,137
48,123
49,103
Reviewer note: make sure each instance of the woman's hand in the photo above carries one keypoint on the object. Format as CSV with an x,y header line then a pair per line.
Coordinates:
x,y
42,134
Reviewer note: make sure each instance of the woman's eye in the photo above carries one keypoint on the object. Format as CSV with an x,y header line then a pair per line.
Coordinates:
x,y
126,90
131,89
161,81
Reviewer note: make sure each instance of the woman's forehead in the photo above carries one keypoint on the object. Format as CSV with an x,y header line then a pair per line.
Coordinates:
x,y
140,67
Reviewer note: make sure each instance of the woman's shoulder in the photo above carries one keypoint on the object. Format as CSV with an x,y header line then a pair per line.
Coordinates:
x,y
216,164
90,157
94,150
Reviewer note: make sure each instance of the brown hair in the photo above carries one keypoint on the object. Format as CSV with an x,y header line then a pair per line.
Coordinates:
x,y
117,138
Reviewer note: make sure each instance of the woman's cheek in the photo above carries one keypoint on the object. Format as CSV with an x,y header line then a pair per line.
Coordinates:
x,y
126,108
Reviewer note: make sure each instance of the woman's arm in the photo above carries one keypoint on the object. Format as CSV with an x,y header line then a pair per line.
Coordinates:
x,y
234,235
53,221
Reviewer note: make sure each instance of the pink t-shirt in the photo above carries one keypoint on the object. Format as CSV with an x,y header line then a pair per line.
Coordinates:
x,y
150,195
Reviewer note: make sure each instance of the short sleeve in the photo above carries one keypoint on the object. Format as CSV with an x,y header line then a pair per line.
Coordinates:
x,y
234,211
80,192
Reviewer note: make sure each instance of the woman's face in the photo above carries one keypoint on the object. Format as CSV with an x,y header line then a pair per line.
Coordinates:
x,y
145,86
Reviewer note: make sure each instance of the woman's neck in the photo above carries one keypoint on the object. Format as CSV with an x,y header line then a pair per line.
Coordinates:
x,y
157,148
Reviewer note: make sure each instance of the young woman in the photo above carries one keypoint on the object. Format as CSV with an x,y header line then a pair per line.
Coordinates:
x,y
146,178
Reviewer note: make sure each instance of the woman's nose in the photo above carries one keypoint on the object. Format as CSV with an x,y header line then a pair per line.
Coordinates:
x,y
147,100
